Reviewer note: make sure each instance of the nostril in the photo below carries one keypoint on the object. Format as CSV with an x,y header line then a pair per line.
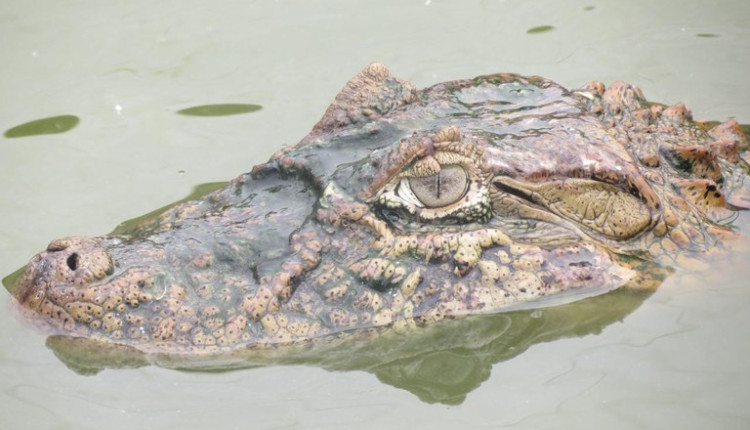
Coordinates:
x,y
73,261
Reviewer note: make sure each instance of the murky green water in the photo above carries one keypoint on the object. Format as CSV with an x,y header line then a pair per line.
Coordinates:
x,y
124,69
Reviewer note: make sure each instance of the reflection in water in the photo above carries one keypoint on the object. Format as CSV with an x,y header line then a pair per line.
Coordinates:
x,y
220,109
438,364
51,125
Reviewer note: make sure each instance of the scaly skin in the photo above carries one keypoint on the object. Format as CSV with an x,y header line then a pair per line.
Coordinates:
x,y
405,207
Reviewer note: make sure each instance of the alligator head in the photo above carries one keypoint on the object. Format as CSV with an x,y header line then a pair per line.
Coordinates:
x,y
402,208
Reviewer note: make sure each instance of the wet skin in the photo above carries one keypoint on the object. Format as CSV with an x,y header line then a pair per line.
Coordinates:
x,y
402,208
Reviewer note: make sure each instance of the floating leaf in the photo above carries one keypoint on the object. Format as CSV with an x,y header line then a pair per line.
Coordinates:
x,y
11,281
540,29
707,35
220,109
51,125
589,8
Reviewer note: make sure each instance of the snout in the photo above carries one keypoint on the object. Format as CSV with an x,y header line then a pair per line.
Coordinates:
x,y
74,261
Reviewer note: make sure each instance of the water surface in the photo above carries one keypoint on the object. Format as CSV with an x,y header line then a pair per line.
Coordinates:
x,y
678,360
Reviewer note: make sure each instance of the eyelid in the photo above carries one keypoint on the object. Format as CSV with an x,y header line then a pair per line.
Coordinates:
x,y
424,167
432,164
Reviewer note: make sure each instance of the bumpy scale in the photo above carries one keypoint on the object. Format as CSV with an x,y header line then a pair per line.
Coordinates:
x,y
405,207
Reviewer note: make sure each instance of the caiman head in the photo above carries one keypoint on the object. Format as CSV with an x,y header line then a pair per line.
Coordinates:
x,y
405,207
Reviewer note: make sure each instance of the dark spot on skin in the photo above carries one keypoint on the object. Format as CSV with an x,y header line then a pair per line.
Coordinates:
x,y
256,276
580,264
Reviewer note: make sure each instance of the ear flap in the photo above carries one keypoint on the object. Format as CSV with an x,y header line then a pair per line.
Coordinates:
x,y
705,196
366,97
695,160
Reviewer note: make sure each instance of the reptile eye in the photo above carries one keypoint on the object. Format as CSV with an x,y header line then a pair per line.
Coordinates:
x,y
441,189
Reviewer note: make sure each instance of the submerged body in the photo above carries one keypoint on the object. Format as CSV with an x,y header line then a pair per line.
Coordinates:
x,y
405,207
